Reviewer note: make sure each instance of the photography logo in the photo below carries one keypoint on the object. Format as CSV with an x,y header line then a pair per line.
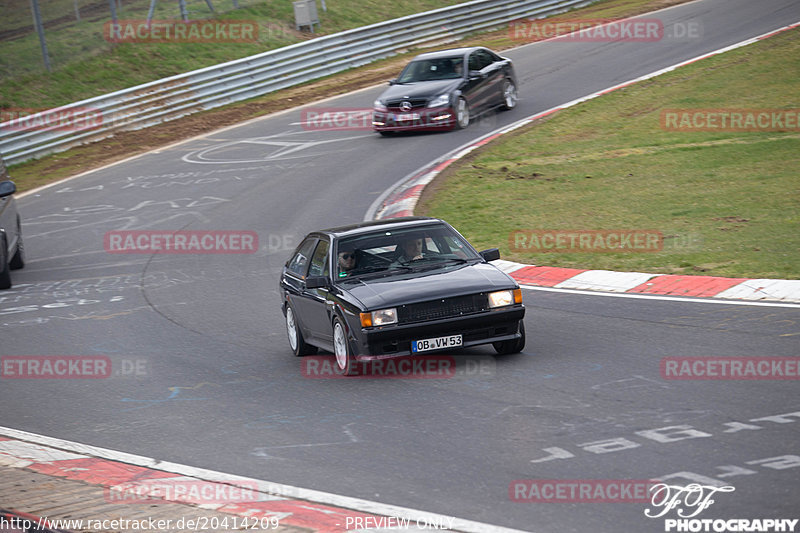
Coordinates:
x,y
690,501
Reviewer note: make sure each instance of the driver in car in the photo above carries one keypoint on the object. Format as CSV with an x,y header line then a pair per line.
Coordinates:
x,y
410,250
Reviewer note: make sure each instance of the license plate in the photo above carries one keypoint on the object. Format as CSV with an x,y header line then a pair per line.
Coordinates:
x,y
437,343
407,116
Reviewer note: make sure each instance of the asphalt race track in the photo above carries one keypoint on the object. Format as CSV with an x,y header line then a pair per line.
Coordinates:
x,y
203,374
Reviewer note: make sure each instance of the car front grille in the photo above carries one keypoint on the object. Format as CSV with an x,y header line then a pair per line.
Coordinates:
x,y
416,103
442,308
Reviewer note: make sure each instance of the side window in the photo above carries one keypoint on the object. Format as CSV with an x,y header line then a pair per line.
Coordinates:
x,y
484,59
299,263
319,262
474,61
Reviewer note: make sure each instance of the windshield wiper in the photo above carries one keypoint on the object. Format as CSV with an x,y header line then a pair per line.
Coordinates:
x,y
433,264
439,260
381,272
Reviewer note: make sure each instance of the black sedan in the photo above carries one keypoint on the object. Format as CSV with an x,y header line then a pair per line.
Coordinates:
x,y
436,92
397,287
12,255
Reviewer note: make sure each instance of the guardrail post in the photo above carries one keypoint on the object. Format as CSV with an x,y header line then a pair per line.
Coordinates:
x,y
113,5
37,22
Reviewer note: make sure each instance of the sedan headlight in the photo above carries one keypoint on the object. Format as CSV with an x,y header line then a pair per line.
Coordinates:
x,y
439,101
381,317
379,106
503,298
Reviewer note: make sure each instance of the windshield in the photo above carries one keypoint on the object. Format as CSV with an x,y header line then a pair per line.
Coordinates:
x,y
384,252
442,68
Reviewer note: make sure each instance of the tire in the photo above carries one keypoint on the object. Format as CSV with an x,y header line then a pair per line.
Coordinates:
x,y
513,345
345,362
296,341
509,95
462,114
18,261
5,271
386,133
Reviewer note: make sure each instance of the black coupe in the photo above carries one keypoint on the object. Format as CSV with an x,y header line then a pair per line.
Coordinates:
x,y
436,92
397,287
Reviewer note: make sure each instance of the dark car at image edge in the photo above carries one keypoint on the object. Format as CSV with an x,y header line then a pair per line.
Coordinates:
x,y
12,251
355,291
444,90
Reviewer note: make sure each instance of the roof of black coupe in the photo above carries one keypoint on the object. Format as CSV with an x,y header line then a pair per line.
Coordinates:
x,y
389,224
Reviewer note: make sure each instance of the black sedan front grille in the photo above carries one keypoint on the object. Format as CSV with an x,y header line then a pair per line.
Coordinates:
x,y
415,103
442,308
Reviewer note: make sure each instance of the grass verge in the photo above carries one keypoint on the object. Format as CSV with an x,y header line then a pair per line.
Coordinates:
x,y
727,203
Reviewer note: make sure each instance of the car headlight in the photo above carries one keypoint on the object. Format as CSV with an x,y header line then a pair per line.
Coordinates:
x,y
379,106
381,317
439,101
503,298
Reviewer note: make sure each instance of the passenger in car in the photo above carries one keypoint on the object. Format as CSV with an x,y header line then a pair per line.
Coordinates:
x,y
347,262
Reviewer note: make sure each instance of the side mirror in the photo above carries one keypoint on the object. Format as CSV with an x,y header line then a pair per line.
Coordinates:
x,y
317,282
7,188
392,81
492,254
476,75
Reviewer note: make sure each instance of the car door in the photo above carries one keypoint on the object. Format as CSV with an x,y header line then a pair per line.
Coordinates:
x,y
492,68
293,280
475,90
315,302
8,219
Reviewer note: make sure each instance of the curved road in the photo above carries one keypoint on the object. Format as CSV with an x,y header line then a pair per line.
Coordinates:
x,y
203,374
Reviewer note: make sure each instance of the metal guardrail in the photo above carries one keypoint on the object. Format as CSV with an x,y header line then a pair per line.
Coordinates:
x,y
170,98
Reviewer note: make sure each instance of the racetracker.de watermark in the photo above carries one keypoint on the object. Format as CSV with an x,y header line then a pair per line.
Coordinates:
x,y
179,31
730,368
58,119
586,241
188,491
404,367
55,367
730,120
588,30
336,119
71,367
580,490
180,242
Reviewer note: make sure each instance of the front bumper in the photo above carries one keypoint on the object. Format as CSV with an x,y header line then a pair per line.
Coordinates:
x,y
436,118
481,328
